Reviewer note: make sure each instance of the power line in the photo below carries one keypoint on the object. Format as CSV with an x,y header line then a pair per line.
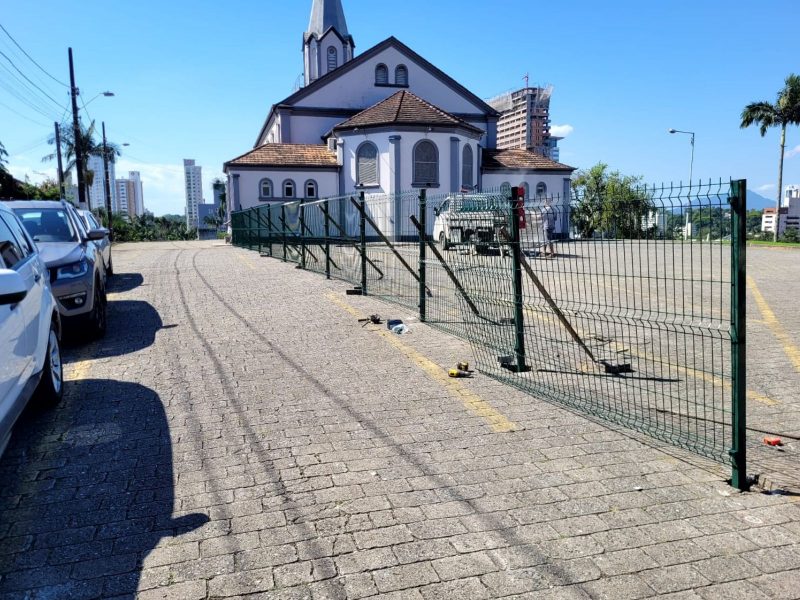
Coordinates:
x,y
41,68
23,116
32,102
4,55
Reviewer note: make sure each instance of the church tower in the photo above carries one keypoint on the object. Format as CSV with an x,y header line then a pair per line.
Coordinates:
x,y
327,44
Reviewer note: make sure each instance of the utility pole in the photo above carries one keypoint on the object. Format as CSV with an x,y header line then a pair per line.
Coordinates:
x,y
77,137
61,187
107,183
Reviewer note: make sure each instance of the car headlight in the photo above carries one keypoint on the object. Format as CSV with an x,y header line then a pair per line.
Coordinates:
x,y
74,270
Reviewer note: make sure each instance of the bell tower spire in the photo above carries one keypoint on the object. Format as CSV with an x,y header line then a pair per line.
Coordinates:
x,y
327,44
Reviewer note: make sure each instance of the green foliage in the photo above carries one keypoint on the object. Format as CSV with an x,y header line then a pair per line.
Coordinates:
x,y
148,228
785,111
753,221
791,235
47,190
609,203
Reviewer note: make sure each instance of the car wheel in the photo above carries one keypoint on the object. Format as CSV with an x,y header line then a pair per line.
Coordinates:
x,y
51,386
97,318
110,267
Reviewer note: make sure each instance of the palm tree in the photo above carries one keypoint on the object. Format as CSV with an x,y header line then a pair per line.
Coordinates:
x,y
785,111
88,146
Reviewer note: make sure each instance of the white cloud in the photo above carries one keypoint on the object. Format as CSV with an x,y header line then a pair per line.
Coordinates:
x,y
767,187
561,130
793,152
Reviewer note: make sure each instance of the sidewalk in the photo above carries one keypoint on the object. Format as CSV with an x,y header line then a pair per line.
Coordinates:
x,y
239,432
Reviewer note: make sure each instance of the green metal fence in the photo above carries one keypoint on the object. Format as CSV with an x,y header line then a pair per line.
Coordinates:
x,y
637,318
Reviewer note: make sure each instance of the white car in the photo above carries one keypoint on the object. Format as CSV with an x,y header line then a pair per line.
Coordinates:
x,y
30,327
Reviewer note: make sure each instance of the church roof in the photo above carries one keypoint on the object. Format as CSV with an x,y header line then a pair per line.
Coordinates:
x,y
404,108
519,158
326,14
286,155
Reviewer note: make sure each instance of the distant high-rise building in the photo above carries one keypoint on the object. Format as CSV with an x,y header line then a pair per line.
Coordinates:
x,y
97,191
136,178
525,121
194,190
126,197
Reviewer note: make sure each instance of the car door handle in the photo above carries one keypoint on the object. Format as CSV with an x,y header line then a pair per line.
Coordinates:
x,y
37,277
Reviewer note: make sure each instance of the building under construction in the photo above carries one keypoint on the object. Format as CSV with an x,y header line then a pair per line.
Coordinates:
x,y
525,121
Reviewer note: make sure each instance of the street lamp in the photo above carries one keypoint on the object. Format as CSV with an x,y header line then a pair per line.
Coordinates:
x,y
691,163
107,94
687,232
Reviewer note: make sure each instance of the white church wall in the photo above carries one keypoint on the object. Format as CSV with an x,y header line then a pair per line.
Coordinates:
x,y
356,88
309,130
250,180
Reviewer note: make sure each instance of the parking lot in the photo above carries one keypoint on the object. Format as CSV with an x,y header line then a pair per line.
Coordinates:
x,y
238,432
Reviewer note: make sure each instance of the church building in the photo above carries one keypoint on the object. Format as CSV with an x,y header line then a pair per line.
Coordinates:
x,y
383,121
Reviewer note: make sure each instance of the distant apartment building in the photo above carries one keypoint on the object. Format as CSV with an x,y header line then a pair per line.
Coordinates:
x,y
97,191
525,121
136,179
194,190
788,215
128,195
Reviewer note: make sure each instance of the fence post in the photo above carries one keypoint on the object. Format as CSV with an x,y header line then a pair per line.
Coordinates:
x,y
269,228
302,234
258,223
738,451
327,242
423,236
362,228
283,229
250,229
517,205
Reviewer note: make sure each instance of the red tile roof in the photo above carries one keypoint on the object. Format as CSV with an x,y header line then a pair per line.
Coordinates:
x,y
520,158
404,108
286,155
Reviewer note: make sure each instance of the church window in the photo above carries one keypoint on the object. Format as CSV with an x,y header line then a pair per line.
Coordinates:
x,y
311,189
265,188
367,164
332,59
288,189
401,75
466,167
541,188
426,163
381,75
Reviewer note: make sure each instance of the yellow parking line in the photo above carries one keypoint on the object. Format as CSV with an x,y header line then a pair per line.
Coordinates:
x,y
775,325
474,403
78,370
246,261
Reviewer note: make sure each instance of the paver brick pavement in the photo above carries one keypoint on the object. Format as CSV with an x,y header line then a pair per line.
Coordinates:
x,y
239,434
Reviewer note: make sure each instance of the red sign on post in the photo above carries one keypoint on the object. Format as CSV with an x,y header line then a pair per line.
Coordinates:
x,y
520,207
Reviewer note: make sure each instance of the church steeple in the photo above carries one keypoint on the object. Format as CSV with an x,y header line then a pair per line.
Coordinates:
x,y
327,44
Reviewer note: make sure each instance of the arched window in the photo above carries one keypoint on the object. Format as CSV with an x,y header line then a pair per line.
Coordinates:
x,y
541,189
381,75
265,188
505,188
526,189
426,163
401,75
288,189
333,60
311,189
367,164
466,167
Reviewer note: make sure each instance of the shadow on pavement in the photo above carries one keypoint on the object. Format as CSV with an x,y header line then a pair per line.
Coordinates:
x,y
87,492
124,282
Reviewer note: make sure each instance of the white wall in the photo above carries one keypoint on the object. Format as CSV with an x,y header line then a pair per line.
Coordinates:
x,y
249,180
555,189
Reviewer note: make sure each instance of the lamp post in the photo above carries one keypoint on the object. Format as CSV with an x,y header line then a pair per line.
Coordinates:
x,y
687,231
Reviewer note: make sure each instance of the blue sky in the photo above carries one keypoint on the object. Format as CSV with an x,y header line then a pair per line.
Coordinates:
x,y
196,79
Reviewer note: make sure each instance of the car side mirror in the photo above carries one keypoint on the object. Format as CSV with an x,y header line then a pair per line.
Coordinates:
x,y
437,211
12,287
97,234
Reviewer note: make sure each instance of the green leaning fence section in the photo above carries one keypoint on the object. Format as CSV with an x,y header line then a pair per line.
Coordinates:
x,y
637,319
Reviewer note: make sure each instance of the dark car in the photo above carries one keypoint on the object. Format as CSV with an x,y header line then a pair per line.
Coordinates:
x,y
104,245
76,266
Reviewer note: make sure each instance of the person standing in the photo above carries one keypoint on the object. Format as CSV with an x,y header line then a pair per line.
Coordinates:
x,y
549,224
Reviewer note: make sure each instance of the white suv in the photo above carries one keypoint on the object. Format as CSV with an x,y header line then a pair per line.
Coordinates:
x,y
30,328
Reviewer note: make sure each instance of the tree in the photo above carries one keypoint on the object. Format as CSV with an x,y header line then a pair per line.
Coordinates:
x,y
785,112
791,234
87,144
610,202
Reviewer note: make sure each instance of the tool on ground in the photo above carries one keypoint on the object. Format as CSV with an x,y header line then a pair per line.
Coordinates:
x,y
459,373
462,366
613,369
374,319
773,441
392,323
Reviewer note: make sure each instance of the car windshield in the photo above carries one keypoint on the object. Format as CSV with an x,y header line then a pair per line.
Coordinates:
x,y
47,224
